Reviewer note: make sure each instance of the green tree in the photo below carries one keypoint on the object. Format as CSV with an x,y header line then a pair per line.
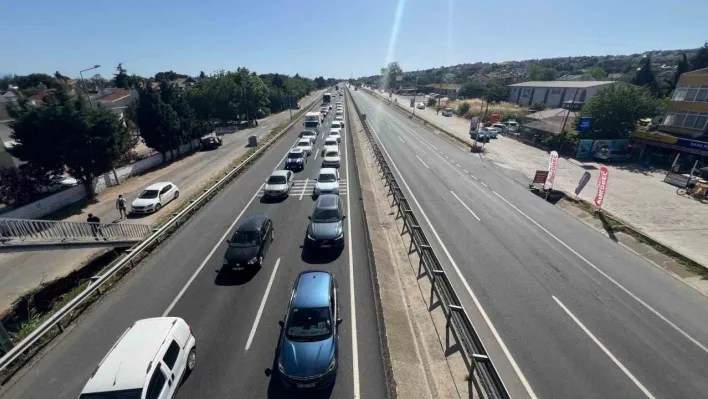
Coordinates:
x,y
596,72
471,90
496,91
158,122
61,77
389,73
645,77
320,82
616,109
18,186
216,98
539,73
463,108
255,93
700,59
538,106
121,79
65,133
680,69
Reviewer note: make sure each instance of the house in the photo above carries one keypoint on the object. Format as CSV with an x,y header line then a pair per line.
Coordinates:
x,y
556,94
39,97
445,88
550,121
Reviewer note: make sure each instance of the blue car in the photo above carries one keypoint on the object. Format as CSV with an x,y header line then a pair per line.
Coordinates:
x,y
309,339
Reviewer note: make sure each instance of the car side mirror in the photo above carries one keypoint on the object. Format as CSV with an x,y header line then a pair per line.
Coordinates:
x,y
281,323
228,240
339,321
344,217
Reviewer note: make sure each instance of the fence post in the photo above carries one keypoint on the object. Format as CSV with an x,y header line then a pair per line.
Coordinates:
x,y
5,340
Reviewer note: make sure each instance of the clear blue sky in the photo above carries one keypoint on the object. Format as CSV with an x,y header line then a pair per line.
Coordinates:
x,y
332,38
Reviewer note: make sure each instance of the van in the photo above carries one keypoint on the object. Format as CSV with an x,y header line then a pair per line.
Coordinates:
x,y
149,360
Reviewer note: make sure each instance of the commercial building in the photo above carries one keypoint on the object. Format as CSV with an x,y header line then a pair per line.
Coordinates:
x,y
556,94
684,129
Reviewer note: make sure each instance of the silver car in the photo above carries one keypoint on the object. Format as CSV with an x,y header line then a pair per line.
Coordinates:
x,y
279,184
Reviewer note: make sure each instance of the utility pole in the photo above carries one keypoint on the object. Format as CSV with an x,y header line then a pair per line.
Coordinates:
x,y
568,114
83,82
440,95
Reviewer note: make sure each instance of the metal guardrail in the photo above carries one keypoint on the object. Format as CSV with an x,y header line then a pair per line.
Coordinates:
x,y
458,321
23,231
150,242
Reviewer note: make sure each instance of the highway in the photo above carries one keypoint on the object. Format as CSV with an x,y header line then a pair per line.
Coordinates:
x,y
234,315
564,311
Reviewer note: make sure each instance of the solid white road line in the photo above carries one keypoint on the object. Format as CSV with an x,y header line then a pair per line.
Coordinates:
x,y
260,308
484,184
304,186
399,137
471,293
421,161
466,207
607,276
316,154
604,349
218,243
352,296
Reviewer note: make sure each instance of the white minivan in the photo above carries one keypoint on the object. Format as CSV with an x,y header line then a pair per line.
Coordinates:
x,y
150,360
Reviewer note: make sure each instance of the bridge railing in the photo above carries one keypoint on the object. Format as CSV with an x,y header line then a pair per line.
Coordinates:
x,y
16,231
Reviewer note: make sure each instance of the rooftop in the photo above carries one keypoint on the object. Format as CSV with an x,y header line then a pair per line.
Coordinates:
x,y
564,84
312,290
703,71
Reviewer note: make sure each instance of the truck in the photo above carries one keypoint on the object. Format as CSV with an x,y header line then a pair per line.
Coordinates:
x,y
327,98
312,121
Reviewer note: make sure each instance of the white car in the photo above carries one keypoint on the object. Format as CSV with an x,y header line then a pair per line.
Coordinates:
x,y
337,125
150,359
330,142
279,184
309,134
324,110
339,113
154,197
327,182
331,157
336,133
339,118
493,132
305,144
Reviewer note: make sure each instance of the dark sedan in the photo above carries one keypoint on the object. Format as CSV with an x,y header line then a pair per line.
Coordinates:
x,y
250,242
326,229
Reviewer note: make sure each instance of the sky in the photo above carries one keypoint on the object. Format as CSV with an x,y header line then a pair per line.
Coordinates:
x,y
330,38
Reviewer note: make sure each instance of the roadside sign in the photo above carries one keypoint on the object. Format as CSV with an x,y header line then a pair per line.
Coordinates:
x,y
399,78
677,179
584,124
581,184
552,164
602,186
540,177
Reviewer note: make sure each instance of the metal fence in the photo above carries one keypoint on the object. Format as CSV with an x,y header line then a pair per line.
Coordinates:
x,y
22,231
133,254
480,366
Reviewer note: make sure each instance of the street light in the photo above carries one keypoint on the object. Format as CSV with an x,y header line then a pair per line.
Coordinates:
x,y
83,82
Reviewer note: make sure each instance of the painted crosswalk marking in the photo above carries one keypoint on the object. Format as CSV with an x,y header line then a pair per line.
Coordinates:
x,y
306,187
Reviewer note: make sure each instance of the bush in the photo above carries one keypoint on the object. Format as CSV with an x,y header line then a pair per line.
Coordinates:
x,y
538,106
463,108
561,142
432,102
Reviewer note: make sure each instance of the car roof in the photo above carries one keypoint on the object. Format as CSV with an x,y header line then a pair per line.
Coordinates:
x,y
127,365
312,289
296,150
329,171
304,141
327,201
280,173
252,223
158,185
309,132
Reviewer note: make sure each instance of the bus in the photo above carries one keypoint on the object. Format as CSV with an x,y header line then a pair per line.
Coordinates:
x,y
312,121
327,98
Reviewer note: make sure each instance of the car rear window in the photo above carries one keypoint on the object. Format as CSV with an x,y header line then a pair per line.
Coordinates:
x,y
124,394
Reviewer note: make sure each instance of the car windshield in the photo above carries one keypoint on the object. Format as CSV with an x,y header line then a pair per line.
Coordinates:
x,y
305,143
276,180
331,142
124,394
326,216
331,154
327,177
309,324
147,194
295,155
244,239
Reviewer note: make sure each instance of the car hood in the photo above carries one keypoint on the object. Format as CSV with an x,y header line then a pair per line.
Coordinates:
x,y
241,254
327,186
275,187
144,201
325,231
306,359
332,158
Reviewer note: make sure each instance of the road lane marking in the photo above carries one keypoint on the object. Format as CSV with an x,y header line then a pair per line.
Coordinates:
x,y
482,183
604,349
260,308
421,161
474,177
471,293
399,137
304,186
607,276
316,153
465,170
466,207
352,297
218,243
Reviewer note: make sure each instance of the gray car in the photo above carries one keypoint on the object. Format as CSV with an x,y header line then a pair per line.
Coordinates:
x,y
326,229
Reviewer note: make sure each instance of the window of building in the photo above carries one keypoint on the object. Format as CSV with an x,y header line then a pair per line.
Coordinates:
x,y
690,120
669,119
691,93
687,120
680,118
701,122
679,93
702,95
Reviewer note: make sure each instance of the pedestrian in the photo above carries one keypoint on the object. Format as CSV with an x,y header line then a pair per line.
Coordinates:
x,y
95,226
120,205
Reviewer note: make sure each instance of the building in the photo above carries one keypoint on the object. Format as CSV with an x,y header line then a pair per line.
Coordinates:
x,y
684,129
556,94
445,88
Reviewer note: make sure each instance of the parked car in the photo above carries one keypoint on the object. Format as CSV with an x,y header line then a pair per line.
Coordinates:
x,y
326,228
150,360
481,136
447,112
211,142
512,126
278,184
493,132
250,242
308,351
327,182
154,197
501,128
421,105
608,155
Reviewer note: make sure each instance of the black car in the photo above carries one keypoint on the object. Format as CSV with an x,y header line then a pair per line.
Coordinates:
x,y
211,142
250,242
326,229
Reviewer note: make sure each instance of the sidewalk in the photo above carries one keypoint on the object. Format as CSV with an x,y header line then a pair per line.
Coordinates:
x,y
637,196
23,272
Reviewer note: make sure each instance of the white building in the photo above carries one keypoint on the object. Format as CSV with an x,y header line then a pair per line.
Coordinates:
x,y
556,94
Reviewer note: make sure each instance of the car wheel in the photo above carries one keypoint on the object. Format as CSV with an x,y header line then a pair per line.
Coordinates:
x,y
191,360
158,207
176,194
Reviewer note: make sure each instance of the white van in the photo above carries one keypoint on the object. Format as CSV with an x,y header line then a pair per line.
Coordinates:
x,y
150,360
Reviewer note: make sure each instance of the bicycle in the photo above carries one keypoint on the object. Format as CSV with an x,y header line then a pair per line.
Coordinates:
x,y
694,191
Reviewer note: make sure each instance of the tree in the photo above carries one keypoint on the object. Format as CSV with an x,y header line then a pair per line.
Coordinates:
x,y
616,109
539,73
389,73
320,82
645,76
680,69
596,72
496,91
217,98
61,77
121,79
471,90
19,186
462,108
255,93
538,106
700,59
64,133
99,82
158,122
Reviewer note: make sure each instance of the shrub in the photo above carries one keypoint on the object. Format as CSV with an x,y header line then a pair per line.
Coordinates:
x,y
432,102
538,106
463,108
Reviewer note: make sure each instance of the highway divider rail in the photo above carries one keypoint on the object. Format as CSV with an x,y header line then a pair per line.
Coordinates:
x,y
479,365
132,254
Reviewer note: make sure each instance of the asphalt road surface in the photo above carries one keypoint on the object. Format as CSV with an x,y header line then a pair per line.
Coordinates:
x,y
564,311
234,315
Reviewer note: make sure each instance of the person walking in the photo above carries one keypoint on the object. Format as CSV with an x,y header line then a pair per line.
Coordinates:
x,y
95,226
120,205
